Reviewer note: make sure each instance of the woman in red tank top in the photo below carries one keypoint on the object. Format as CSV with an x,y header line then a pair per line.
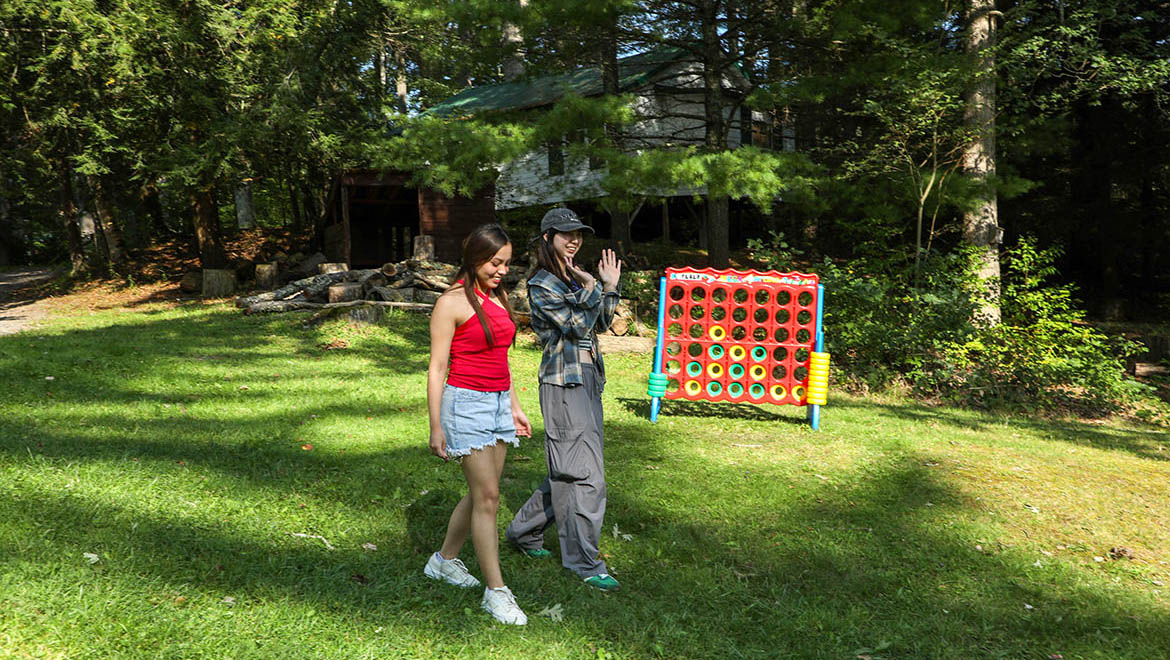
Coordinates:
x,y
474,413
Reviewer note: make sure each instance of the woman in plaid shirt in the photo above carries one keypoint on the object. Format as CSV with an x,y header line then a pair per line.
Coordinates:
x,y
569,308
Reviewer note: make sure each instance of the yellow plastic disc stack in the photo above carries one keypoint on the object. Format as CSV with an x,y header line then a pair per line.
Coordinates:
x,y
818,378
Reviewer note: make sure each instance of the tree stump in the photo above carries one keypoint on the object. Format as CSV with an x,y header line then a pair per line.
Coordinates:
x,y
266,276
367,314
345,292
424,247
332,267
218,283
192,282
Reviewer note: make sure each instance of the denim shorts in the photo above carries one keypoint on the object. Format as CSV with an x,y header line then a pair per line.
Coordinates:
x,y
473,420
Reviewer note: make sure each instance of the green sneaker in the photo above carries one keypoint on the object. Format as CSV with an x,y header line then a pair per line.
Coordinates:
x,y
604,582
536,553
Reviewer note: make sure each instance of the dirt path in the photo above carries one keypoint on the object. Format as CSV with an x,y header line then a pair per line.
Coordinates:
x,y
19,307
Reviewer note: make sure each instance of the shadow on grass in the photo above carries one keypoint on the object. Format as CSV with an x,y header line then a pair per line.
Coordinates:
x,y
1151,443
727,562
707,409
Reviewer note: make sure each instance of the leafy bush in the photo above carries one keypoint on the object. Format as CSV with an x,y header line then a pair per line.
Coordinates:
x,y
887,324
1043,354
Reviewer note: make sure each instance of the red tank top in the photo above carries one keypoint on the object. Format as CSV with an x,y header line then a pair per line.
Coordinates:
x,y
476,365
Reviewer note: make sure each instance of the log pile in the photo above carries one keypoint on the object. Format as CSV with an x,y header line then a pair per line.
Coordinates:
x,y
410,284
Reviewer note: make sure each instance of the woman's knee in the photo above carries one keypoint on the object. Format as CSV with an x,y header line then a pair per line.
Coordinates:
x,y
486,498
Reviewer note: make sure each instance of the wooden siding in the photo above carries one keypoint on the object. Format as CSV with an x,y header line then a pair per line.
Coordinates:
x,y
450,219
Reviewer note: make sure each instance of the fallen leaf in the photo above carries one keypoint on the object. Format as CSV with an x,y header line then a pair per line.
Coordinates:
x,y
243,387
228,600
307,447
369,546
1028,607
91,557
50,378
556,612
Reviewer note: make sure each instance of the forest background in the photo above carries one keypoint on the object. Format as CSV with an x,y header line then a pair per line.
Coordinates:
x,y
984,187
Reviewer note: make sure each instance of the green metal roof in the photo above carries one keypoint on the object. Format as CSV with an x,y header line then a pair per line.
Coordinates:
x,y
633,72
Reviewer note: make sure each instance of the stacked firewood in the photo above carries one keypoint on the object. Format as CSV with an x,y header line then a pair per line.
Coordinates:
x,y
409,284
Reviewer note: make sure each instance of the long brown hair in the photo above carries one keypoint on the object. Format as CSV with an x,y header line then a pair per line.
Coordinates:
x,y
547,259
478,248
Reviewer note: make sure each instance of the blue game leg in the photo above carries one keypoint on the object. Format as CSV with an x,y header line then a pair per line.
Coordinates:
x,y
814,410
655,402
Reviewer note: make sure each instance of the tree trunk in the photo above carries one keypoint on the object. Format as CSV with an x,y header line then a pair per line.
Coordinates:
x,y
401,91
107,225
513,66
981,222
154,208
211,252
619,220
68,211
218,283
245,212
715,135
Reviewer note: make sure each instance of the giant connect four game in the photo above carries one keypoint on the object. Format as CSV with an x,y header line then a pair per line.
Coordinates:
x,y
745,337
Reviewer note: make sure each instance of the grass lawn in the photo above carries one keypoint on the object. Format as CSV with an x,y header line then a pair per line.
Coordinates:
x,y
158,462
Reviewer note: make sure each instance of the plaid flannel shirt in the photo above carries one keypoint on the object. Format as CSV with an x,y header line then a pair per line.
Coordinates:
x,y
560,317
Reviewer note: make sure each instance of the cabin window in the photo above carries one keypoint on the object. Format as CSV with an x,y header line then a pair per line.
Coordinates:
x,y
556,158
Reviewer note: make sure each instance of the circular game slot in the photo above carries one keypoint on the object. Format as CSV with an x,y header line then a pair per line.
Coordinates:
x,y
760,333
778,392
735,390
698,294
738,333
801,355
715,370
715,351
695,331
672,385
736,371
694,350
714,388
693,387
783,298
719,295
673,366
674,311
782,316
738,352
757,390
780,353
779,372
803,336
740,296
800,374
781,334
798,393
694,368
804,299
759,354
739,315
758,372
803,317
697,312
761,315
717,333
674,330
676,293
762,297
673,348
718,313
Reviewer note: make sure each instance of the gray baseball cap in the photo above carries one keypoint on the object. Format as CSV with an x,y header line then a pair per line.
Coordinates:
x,y
562,219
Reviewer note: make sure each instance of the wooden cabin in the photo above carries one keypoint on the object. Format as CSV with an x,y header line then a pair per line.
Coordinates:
x,y
373,216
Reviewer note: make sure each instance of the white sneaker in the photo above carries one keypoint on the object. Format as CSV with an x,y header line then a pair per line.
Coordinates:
x,y
451,571
501,604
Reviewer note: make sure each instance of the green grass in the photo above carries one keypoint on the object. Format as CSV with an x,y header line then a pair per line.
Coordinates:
x,y
173,445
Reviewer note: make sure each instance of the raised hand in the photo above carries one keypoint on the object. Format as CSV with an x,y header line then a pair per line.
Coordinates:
x,y
580,274
609,269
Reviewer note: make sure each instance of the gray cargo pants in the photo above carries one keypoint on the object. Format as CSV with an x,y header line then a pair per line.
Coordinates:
x,y
573,493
